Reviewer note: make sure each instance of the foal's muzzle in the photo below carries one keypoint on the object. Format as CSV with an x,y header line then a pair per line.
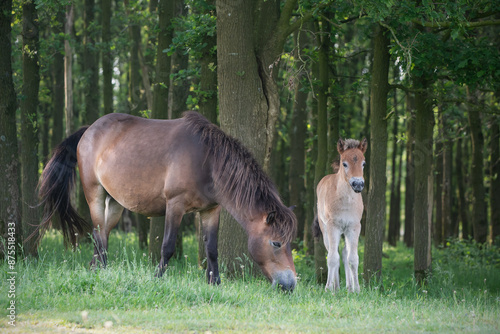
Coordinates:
x,y
357,184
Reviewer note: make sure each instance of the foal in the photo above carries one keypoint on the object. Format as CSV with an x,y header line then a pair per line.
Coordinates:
x,y
340,208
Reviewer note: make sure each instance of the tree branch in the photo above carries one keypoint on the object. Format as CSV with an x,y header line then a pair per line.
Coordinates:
x,y
441,25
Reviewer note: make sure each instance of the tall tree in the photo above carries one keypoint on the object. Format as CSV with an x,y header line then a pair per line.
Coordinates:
x,y
9,161
250,39
296,173
422,211
410,171
479,207
58,83
106,57
376,213
495,179
160,106
91,65
29,126
68,70
322,157
394,208
462,203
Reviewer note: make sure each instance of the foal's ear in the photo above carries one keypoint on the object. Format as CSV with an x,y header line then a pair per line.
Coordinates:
x,y
340,146
271,217
363,145
292,207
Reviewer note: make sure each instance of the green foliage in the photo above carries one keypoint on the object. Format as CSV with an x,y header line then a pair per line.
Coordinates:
x,y
470,255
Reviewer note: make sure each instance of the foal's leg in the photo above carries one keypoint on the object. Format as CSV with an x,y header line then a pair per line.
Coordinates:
x,y
210,226
350,257
173,218
333,258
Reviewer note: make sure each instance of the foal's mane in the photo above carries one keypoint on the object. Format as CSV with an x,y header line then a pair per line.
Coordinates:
x,y
238,178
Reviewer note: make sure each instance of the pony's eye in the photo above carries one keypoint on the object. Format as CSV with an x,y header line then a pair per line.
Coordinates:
x,y
344,164
276,244
363,164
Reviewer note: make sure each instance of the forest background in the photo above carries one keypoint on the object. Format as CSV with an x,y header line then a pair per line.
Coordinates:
x,y
419,79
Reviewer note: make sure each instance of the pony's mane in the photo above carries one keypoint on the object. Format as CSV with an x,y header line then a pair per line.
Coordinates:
x,y
238,178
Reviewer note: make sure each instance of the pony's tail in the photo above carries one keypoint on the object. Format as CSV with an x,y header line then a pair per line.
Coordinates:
x,y
55,187
316,230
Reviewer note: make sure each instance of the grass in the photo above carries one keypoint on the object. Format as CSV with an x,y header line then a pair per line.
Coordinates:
x,y
58,293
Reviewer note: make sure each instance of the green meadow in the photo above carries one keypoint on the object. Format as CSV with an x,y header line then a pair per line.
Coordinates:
x,y
58,293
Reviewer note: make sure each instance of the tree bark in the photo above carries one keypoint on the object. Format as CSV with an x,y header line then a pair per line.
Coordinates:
x,y
106,57
160,106
462,203
297,138
91,66
446,200
479,207
394,210
68,70
10,227
208,76
438,196
376,212
29,127
495,180
322,157
410,171
422,212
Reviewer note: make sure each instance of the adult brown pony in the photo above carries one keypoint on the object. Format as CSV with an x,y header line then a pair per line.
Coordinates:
x,y
170,167
340,208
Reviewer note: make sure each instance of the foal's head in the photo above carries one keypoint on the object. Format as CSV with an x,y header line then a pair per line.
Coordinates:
x,y
352,162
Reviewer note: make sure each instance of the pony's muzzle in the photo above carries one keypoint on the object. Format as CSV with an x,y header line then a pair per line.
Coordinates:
x,y
285,279
357,184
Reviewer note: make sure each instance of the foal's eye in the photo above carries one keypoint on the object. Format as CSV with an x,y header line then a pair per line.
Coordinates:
x,y
344,164
276,244
364,163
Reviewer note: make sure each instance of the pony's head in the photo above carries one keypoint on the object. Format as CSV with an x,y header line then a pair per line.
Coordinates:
x,y
352,162
269,246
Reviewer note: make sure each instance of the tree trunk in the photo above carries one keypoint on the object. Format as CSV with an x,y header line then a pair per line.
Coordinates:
x,y
242,111
322,157
446,205
394,209
106,57
495,180
208,77
438,196
91,66
29,128
462,203
160,107
479,207
376,215
410,171
422,213
297,138
68,70
10,227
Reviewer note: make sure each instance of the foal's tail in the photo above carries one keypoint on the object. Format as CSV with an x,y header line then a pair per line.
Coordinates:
x,y
55,186
315,228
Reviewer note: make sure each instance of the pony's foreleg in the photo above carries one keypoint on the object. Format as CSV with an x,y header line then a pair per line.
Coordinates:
x,y
173,218
333,258
351,259
210,226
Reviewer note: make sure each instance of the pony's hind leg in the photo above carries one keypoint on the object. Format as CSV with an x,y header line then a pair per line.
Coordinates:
x,y
106,213
173,217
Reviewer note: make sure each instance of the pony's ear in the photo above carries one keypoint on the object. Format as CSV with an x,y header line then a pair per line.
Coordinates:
x,y
292,207
363,145
340,146
271,217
